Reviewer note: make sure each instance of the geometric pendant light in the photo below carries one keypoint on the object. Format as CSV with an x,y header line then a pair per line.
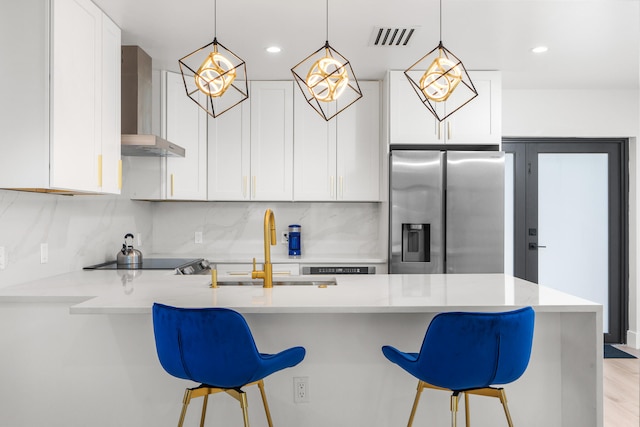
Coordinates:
x,y
440,76
326,80
214,77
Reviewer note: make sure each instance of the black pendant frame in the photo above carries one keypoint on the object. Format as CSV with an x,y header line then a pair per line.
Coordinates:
x,y
352,92
464,92
237,92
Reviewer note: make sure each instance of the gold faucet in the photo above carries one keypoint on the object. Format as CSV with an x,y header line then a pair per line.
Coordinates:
x,y
269,239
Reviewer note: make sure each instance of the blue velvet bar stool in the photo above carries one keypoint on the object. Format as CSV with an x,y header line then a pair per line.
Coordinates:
x,y
470,353
215,347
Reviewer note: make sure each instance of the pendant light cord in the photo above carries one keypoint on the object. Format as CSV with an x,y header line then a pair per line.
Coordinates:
x,y
215,17
327,19
440,21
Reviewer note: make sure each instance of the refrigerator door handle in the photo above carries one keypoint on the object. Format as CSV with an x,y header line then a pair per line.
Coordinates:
x,y
533,246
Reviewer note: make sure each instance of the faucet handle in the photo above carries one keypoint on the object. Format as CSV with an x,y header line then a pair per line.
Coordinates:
x,y
255,274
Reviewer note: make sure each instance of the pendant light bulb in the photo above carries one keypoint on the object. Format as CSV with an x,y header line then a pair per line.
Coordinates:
x,y
215,75
327,78
440,79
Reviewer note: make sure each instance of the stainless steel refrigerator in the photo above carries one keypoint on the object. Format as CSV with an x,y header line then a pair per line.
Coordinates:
x,y
446,211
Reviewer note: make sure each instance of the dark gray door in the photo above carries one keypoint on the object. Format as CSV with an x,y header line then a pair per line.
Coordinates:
x,y
571,221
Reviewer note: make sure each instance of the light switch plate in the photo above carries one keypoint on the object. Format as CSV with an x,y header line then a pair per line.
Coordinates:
x,y
3,258
44,253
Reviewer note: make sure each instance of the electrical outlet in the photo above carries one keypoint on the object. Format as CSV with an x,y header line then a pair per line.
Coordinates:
x,y
44,253
198,237
3,258
301,389
285,238
139,238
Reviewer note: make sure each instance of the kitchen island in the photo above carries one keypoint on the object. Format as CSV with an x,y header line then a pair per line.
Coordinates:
x,y
79,347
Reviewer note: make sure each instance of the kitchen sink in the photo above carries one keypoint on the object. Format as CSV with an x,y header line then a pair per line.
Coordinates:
x,y
321,283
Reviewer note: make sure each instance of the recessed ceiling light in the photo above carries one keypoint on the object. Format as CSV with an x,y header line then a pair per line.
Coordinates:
x,y
539,49
273,49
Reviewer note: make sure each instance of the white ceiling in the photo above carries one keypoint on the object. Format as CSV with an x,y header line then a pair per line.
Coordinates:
x,y
593,43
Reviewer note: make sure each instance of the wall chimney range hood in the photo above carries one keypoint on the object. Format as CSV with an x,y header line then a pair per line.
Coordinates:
x,y
136,110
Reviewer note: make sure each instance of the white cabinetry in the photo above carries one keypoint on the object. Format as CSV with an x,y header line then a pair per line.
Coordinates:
x,y
111,159
271,140
229,151
244,154
478,122
251,146
358,149
61,130
186,126
338,159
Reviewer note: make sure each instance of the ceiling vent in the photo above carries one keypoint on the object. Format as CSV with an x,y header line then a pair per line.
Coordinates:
x,y
389,36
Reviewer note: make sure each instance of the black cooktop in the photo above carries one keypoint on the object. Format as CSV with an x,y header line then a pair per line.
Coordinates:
x,y
147,264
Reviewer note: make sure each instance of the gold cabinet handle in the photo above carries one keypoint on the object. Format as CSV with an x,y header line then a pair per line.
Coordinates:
x,y
244,186
253,187
281,273
99,170
439,130
332,186
120,174
449,130
172,184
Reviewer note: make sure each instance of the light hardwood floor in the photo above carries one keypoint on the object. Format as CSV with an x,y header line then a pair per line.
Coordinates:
x,y
621,386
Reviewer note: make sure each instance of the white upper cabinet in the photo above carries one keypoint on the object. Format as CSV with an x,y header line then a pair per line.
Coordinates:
x,y
186,126
110,95
358,149
314,164
229,151
244,154
338,160
271,140
251,146
61,130
478,122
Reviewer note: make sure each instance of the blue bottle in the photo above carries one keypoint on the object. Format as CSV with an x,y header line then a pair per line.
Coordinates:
x,y
294,241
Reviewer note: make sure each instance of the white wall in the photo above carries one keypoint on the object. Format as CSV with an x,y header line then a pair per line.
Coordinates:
x,y
597,113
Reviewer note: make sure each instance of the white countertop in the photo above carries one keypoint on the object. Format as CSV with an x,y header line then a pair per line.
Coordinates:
x,y
116,292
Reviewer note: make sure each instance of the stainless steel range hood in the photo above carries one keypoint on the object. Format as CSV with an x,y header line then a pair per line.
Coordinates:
x,y
137,138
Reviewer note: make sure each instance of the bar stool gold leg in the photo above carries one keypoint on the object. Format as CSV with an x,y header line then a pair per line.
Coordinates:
x,y
503,400
241,397
264,402
415,402
454,408
204,409
467,416
185,402
245,408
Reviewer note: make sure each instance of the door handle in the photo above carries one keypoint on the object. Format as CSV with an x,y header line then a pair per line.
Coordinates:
x,y
533,246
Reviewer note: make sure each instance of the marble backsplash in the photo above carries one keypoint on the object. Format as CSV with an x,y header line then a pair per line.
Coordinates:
x,y
79,231
86,230
235,230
